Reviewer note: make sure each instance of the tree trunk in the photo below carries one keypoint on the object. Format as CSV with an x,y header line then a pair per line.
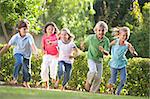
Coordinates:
x,y
4,29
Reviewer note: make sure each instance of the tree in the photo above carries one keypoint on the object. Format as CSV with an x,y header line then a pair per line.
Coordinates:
x,y
77,15
113,12
14,10
140,34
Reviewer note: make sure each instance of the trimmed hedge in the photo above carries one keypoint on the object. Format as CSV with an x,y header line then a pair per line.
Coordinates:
x,y
137,84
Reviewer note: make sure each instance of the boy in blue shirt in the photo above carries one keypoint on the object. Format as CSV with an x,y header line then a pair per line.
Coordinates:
x,y
24,45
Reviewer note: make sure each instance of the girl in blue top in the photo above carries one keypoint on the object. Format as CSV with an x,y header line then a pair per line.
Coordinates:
x,y
118,62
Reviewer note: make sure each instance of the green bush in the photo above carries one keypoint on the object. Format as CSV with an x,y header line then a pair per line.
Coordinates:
x,y
137,84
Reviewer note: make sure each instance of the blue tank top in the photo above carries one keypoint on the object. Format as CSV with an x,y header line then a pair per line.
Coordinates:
x,y
118,58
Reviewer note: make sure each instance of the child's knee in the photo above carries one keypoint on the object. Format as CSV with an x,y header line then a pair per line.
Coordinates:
x,y
123,81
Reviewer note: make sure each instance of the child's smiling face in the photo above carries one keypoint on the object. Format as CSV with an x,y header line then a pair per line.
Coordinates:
x,y
64,35
50,29
23,31
123,35
100,32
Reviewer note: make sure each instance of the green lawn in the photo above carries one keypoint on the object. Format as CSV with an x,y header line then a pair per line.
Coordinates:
x,y
8,92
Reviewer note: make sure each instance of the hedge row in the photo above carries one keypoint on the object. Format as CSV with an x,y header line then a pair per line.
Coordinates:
x,y
137,84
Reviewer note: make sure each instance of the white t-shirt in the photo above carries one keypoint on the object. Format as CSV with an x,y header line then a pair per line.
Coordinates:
x,y
65,51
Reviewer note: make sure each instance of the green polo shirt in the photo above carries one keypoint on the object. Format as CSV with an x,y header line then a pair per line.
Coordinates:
x,y
93,44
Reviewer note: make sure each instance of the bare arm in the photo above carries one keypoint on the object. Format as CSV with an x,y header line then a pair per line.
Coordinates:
x,y
35,50
75,53
132,50
82,45
112,42
4,49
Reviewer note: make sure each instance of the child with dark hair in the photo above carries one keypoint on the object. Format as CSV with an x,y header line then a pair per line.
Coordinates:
x,y
24,45
50,57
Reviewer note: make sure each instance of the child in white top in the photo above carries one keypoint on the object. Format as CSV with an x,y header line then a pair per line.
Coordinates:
x,y
67,50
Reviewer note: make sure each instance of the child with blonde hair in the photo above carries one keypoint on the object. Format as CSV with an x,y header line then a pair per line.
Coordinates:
x,y
98,46
67,52
118,61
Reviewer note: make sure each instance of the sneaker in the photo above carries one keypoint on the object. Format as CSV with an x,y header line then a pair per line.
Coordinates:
x,y
87,86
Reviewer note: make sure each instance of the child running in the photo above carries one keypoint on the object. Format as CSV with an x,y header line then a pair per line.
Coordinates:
x,y
118,62
98,45
67,53
50,57
24,45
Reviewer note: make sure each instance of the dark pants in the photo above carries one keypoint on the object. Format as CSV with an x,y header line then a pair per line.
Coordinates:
x,y
25,63
66,69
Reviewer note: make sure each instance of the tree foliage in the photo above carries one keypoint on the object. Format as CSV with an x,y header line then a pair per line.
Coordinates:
x,y
14,10
77,15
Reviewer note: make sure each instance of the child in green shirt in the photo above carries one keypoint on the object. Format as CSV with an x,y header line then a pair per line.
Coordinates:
x,y
98,45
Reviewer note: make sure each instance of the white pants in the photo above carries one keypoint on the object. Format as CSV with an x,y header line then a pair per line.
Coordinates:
x,y
49,63
94,75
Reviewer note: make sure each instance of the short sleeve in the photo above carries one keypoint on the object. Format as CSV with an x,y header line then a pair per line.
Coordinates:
x,y
12,41
31,40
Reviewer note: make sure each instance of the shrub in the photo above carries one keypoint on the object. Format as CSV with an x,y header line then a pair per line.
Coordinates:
x,y
137,84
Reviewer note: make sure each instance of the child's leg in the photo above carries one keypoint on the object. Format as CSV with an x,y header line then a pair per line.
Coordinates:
x,y
123,80
67,73
91,73
60,69
97,78
44,69
26,72
53,68
112,80
17,66
60,72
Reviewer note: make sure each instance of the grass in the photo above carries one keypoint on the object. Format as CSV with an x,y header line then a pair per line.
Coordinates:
x,y
8,92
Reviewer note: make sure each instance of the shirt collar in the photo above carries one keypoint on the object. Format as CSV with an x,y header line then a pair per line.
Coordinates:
x,y
23,37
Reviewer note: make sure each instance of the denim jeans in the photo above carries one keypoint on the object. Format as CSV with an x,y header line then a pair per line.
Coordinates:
x,y
66,69
25,63
113,78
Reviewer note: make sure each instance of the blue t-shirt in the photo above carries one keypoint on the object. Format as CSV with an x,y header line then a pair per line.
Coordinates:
x,y
118,52
22,44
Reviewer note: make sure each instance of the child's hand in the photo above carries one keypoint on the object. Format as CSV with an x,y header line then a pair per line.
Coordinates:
x,y
82,46
135,53
103,51
49,42
101,48
71,57
36,56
